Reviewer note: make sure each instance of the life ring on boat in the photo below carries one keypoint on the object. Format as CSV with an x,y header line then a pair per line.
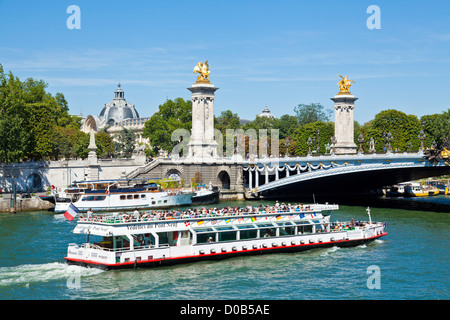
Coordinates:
x,y
108,192
140,238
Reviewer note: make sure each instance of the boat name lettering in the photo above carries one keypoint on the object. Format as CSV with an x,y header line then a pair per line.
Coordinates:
x,y
152,225
98,228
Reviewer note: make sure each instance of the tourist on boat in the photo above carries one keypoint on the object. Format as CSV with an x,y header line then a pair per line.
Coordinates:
x,y
136,214
90,213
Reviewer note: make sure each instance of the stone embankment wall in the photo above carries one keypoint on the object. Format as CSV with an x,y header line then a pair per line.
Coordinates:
x,y
27,204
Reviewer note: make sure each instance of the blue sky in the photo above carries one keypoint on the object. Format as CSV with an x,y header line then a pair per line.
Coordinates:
x,y
275,53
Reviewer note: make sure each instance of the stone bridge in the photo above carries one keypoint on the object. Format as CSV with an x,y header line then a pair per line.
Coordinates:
x,y
336,174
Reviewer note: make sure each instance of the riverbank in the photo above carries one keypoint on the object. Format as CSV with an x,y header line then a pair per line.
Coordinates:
x,y
25,204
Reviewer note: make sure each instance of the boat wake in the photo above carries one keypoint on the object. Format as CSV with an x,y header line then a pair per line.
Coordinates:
x,y
330,251
30,273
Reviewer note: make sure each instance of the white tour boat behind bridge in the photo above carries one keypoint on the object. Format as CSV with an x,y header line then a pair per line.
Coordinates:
x,y
109,196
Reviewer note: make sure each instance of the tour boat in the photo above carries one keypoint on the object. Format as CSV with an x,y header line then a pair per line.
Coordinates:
x,y
112,197
417,190
157,239
205,195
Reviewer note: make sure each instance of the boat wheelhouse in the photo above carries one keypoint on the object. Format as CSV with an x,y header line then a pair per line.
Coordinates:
x,y
150,240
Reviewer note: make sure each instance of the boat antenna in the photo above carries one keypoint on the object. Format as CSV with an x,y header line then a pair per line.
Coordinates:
x,y
368,212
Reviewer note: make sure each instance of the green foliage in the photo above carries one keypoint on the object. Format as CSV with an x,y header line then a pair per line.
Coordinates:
x,y
404,129
125,144
436,127
308,113
171,115
287,125
309,130
29,120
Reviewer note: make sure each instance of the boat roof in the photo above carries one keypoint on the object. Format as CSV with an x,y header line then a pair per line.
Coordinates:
x,y
107,225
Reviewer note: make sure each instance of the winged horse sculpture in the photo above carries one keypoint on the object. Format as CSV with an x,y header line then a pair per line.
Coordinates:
x,y
203,69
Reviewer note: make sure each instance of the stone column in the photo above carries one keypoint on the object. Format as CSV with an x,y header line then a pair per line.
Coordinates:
x,y
202,144
93,169
344,105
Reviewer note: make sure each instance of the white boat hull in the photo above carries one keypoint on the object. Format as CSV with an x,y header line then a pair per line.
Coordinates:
x,y
114,202
152,257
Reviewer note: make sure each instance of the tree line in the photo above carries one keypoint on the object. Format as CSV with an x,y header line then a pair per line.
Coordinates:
x,y
310,128
35,125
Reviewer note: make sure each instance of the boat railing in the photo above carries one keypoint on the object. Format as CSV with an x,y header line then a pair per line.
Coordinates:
x,y
122,249
150,217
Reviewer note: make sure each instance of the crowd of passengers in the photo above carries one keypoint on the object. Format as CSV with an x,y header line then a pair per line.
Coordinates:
x,y
195,212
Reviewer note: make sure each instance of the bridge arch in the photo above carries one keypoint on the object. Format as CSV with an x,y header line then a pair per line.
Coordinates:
x,y
224,179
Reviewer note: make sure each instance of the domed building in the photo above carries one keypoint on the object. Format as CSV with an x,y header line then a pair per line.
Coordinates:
x,y
116,114
266,113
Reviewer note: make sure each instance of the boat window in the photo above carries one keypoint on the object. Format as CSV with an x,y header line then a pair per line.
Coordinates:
x,y
287,231
122,197
165,201
153,202
203,230
245,226
248,234
130,196
136,196
168,238
206,237
305,229
142,196
224,228
227,236
285,223
93,198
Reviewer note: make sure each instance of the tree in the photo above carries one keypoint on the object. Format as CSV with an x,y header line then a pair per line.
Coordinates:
x,y
171,115
13,132
105,144
310,130
286,125
29,118
308,113
125,144
226,120
404,129
436,127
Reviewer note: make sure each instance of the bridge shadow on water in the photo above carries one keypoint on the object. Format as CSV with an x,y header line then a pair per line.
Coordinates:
x,y
439,203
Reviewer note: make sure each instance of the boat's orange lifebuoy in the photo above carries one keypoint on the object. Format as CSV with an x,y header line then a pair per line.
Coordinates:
x,y
108,192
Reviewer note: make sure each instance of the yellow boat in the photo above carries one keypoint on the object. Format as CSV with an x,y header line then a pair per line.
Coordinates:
x,y
417,190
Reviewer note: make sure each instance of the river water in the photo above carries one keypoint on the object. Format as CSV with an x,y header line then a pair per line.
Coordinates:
x,y
411,262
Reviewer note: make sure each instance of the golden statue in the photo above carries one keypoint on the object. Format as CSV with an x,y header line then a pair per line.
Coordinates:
x,y
344,84
203,70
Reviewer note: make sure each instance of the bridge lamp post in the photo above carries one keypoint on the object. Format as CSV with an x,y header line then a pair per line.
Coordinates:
x,y
422,137
309,143
409,146
318,141
388,142
287,143
360,140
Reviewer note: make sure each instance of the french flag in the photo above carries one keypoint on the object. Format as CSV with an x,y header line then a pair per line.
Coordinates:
x,y
71,212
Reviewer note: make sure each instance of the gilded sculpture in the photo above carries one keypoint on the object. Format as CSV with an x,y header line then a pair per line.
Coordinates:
x,y
344,84
202,68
